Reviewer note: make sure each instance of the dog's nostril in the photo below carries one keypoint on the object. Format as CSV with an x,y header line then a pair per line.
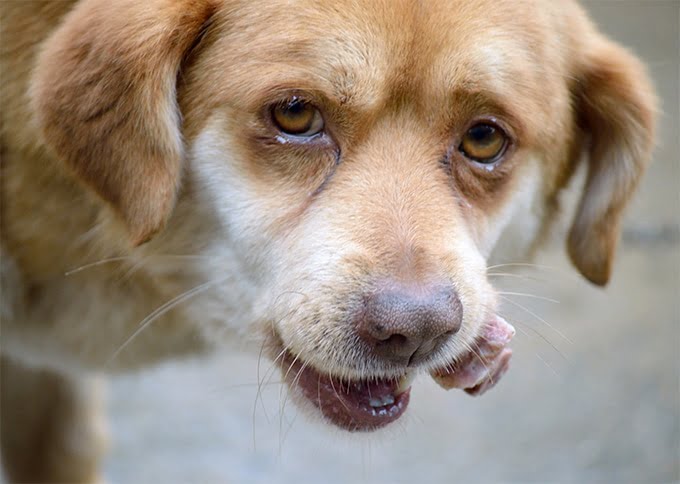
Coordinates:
x,y
404,324
393,340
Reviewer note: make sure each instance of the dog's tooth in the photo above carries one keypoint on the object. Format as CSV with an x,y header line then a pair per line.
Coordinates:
x,y
387,400
375,402
404,383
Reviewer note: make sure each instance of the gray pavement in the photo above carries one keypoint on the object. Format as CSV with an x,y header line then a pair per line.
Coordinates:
x,y
593,395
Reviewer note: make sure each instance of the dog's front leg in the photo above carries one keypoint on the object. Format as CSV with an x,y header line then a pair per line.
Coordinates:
x,y
51,426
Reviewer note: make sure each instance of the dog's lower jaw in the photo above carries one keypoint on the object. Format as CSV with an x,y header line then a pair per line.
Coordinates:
x,y
358,405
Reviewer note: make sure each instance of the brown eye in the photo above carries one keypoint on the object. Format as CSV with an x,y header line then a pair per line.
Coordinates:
x,y
297,118
484,143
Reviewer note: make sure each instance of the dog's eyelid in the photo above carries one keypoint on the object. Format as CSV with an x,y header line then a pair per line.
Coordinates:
x,y
493,107
507,124
480,152
283,93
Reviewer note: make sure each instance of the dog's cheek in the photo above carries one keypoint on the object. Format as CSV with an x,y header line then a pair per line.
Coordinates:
x,y
256,229
314,293
252,202
515,225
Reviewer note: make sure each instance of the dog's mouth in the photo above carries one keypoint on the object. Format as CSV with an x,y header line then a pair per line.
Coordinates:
x,y
362,405
353,405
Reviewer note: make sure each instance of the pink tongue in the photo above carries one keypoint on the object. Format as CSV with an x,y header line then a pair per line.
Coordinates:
x,y
479,370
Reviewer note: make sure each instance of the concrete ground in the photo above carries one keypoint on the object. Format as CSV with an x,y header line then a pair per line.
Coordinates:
x,y
593,395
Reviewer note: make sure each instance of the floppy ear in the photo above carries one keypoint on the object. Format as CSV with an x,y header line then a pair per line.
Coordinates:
x,y
615,105
104,95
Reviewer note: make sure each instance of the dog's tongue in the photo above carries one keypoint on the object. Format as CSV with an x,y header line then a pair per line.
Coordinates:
x,y
480,370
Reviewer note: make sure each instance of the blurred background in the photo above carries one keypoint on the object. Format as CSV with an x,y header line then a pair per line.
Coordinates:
x,y
593,394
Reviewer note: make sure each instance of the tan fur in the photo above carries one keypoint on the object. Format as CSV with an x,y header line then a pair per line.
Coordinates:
x,y
616,112
128,121
104,96
52,425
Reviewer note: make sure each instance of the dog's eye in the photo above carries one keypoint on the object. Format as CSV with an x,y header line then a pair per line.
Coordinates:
x,y
484,143
298,118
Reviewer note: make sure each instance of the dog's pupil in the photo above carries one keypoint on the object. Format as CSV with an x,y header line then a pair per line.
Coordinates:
x,y
295,108
482,134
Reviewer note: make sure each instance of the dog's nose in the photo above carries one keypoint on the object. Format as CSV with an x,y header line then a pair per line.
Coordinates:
x,y
406,324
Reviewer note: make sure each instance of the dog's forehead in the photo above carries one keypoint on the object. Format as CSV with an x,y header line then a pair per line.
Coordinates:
x,y
366,52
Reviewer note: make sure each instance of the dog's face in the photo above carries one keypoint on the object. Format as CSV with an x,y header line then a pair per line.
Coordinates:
x,y
364,158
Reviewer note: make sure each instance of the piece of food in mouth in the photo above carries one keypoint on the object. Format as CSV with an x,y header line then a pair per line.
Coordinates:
x,y
479,370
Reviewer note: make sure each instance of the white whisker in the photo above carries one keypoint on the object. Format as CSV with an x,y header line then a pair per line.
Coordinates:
x,y
517,276
548,365
523,264
160,311
537,317
519,325
534,296
95,264
108,260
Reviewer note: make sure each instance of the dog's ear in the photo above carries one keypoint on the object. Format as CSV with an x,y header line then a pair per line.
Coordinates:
x,y
615,105
104,95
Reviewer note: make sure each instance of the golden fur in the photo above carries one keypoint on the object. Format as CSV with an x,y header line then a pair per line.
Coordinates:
x,y
135,132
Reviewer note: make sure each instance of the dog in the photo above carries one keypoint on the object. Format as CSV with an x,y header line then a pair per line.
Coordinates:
x,y
326,179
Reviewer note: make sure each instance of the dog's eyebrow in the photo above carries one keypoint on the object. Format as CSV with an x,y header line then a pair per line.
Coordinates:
x,y
269,82
487,102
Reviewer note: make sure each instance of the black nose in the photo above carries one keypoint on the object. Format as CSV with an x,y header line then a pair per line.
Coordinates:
x,y
406,324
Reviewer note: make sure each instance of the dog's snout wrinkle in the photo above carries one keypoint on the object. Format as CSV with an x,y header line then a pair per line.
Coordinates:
x,y
404,325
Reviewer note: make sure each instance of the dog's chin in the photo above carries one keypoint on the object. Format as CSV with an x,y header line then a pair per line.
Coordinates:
x,y
354,405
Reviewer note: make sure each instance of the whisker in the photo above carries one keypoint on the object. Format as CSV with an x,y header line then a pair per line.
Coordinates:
x,y
160,311
537,333
518,276
555,272
257,394
252,384
134,266
548,365
290,426
292,385
282,406
291,366
108,260
296,380
522,294
97,263
266,380
481,360
523,264
259,382
537,317
340,399
283,399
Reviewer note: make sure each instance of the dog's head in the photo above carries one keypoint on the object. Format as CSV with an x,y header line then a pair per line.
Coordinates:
x,y
364,160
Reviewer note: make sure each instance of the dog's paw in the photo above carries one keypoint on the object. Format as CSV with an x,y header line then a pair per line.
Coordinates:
x,y
480,369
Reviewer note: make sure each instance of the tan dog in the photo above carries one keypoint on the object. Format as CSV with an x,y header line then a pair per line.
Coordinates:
x,y
329,179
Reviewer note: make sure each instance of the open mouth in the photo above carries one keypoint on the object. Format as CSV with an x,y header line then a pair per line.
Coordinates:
x,y
369,404
353,405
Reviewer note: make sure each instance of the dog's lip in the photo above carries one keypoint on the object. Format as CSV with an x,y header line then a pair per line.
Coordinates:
x,y
479,370
359,405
